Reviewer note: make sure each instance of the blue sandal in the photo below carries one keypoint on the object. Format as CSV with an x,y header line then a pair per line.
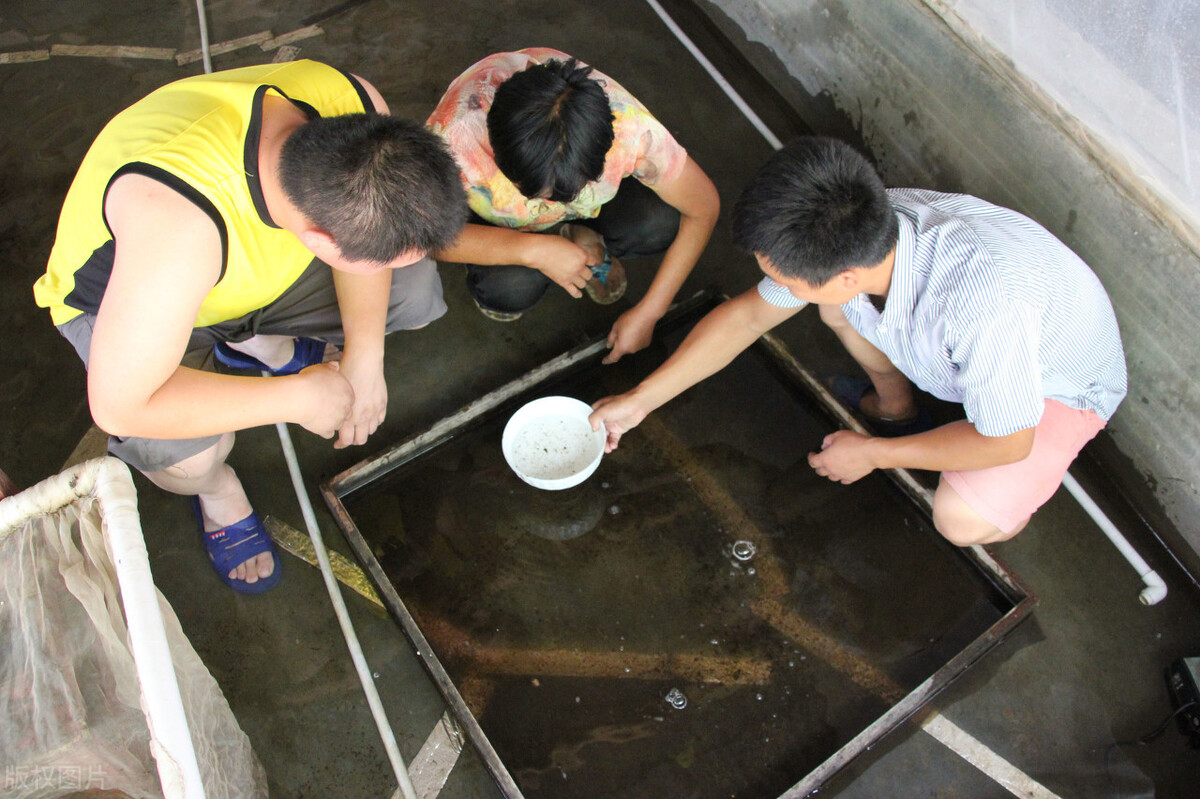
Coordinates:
x,y
308,351
850,391
236,544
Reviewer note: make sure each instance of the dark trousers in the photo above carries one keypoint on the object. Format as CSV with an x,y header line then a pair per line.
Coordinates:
x,y
634,223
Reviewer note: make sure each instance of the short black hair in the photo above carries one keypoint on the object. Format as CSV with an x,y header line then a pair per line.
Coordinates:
x,y
378,185
550,127
816,209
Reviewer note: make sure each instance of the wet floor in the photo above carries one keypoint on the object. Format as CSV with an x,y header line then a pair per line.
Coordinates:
x,y
702,602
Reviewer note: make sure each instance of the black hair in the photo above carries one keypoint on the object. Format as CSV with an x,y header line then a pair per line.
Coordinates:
x,y
816,209
378,185
550,127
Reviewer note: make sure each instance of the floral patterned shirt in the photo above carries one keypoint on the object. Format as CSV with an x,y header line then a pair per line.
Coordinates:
x,y
642,147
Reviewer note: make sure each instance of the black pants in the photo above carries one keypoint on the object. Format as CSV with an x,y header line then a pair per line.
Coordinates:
x,y
634,223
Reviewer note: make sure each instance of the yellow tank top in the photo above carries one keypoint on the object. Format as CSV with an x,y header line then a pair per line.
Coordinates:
x,y
199,136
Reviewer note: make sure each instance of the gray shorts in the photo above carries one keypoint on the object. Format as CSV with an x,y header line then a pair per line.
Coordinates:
x,y
308,308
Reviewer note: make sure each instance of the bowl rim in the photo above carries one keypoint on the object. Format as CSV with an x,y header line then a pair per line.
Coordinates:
x,y
563,406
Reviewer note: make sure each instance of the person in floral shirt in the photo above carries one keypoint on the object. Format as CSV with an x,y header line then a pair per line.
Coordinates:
x,y
567,173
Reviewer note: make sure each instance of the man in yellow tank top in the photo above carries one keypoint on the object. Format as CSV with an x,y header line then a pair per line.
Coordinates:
x,y
190,231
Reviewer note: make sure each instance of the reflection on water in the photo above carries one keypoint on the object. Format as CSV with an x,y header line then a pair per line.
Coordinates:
x,y
702,567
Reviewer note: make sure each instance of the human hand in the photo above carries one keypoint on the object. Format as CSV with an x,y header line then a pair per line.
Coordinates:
x,y
331,398
620,414
365,375
845,457
563,261
631,332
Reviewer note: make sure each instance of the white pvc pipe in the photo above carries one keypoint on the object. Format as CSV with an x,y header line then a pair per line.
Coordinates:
x,y
730,92
174,752
1155,590
339,606
204,36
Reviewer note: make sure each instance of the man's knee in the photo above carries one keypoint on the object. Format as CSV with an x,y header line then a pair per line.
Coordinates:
x,y
509,288
960,532
662,228
202,463
654,232
961,525
416,296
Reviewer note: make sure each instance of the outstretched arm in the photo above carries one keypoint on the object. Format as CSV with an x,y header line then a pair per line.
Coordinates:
x,y
714,342
695,197
168,257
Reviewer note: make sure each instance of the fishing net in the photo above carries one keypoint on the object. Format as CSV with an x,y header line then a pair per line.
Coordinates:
x,y
86,702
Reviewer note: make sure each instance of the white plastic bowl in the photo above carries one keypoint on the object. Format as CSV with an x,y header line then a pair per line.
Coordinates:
x,y
550,444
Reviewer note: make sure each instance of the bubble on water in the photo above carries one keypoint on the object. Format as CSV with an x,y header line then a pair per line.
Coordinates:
x,y
375,675
676,699
614,510
758,697
744,550
751,570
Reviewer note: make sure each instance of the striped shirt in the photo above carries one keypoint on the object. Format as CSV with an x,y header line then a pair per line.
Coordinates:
x,y
988,309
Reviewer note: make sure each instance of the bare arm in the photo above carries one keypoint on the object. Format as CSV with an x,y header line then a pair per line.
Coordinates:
x,y
363,306
564,262
714,342
168,256
695,197
847,456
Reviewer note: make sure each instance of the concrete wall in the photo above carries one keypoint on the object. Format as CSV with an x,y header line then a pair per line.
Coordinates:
x,y
936,108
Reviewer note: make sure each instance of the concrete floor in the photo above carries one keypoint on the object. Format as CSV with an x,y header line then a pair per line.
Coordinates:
x,y
1060,700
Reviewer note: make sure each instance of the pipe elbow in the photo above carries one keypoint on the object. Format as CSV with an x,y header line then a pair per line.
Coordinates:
x,y
1155,590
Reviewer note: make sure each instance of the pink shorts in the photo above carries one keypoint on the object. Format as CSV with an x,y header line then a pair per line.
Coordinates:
x,y
1007,495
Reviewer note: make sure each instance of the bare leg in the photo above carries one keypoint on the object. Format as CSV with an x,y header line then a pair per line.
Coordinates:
x,y
961,525
893,397
274,351
222,500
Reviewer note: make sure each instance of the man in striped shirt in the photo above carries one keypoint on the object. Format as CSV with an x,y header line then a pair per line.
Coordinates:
x,y
970,302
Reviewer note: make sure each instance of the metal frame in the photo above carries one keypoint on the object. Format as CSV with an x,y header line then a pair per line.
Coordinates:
x,y
333,490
